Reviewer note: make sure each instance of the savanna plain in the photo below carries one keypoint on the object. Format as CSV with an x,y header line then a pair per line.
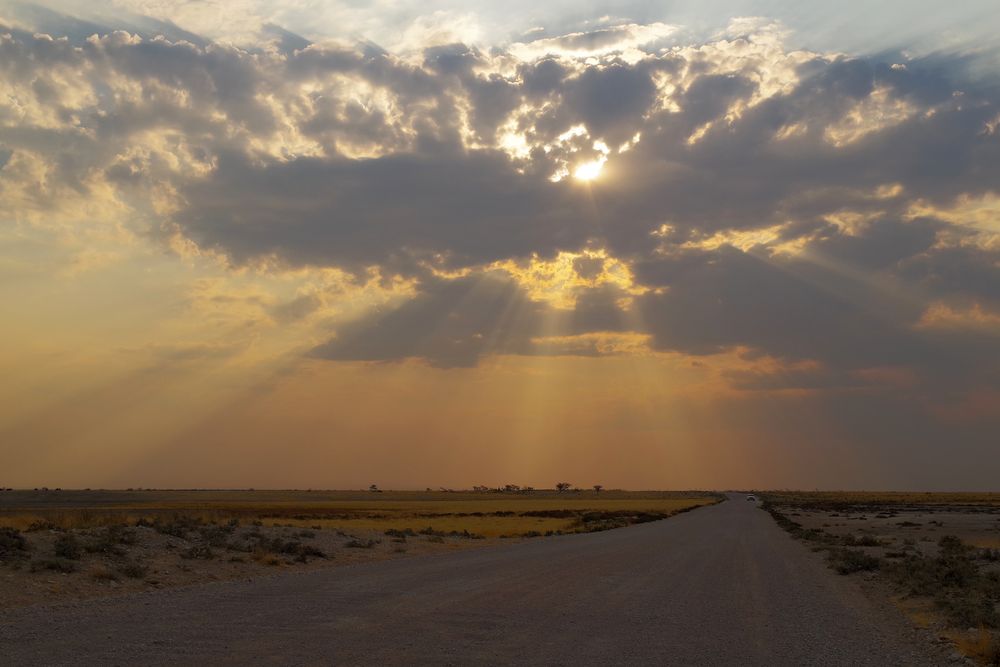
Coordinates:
x,y
59,545
930,558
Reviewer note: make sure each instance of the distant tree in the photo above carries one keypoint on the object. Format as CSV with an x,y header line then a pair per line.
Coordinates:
x,y
597,488
374,488
563,486
527,489
511,488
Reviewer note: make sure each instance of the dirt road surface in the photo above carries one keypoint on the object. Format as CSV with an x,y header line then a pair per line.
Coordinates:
x,y
721,585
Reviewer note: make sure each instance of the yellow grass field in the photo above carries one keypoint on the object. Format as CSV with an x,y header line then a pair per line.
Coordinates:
x,y
485,514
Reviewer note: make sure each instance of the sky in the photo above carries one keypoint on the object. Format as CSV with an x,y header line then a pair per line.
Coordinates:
x,y
674,245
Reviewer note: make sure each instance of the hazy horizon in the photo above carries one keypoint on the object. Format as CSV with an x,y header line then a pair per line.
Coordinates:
x,y
683,245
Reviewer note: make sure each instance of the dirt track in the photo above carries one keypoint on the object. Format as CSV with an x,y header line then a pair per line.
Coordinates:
x,y
722,585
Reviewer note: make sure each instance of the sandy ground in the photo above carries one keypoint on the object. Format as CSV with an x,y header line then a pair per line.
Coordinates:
x,y
169,561
919,524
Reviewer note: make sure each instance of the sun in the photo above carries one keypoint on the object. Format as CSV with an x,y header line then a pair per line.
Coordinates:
x,y
588,171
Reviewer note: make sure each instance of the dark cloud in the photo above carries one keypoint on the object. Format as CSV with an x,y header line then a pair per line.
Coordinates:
x,y
597,309
451,323
469,208
455,323
795,379
313,155
881,244
287,41
296,309
963,272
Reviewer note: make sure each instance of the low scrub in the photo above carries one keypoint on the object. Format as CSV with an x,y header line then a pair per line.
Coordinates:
x,y
401,534
132,570
178,525
68,547
278,546
363,544
13,545
848,561
966,594
111,540
216,536
198,552
851,540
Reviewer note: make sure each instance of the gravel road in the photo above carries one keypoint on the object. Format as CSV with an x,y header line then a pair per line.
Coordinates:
x,y
721,585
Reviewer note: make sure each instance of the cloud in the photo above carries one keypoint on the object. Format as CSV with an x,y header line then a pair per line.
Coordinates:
x,y
469,208
451,323
761,197
601,41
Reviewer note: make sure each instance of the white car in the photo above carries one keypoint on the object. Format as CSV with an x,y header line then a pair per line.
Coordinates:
x,y
752,498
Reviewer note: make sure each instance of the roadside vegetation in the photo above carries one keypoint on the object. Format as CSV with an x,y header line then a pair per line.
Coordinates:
x,y
83,543
945,582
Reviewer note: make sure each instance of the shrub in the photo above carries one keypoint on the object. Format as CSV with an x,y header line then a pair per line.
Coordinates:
x,y
198,552
367,544
968,609
111,540
133,569
466,534
41,524
178,525
967,595
262,545
268,558
847,561
850,540
13,545
305,552
216,536
404,533
67,546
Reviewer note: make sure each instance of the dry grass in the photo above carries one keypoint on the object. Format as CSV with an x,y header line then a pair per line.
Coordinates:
x,y
985,542
102,572
981,645
485,514
919,610
487,526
